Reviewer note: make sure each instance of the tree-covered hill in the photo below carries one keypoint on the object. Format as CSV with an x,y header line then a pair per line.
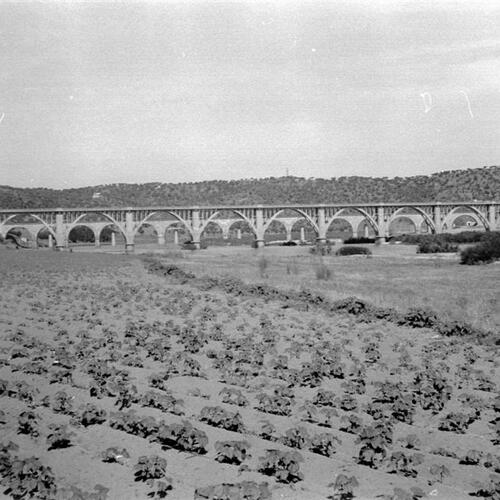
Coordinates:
x,y
482,184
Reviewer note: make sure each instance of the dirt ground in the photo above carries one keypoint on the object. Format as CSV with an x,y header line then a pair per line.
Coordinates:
x,y
395,407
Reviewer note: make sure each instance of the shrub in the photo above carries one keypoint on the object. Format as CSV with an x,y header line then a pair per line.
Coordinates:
x,y
435,245
488,250
349,250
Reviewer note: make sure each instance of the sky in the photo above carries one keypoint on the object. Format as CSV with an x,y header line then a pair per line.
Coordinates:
x,y
102,93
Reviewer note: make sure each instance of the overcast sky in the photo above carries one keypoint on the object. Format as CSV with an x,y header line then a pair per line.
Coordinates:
x,y
173,92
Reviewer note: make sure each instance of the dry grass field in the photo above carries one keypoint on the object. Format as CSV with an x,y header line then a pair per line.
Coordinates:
x,y
128,384
395,276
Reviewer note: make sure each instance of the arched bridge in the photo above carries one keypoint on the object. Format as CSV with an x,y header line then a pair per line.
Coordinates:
x,y
377,219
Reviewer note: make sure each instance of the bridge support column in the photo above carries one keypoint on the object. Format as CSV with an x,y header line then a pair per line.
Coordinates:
x,y
302,235
61,243
161,238
129,232
382,226
113,239
238,234
176,237
438,223
321,238
259,227
492,217
51,241
196,226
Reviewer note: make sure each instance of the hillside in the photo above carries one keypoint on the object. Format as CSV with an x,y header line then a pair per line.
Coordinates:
x,y
458,185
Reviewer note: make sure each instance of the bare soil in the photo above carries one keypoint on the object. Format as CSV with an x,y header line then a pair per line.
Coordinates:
x,y
97,316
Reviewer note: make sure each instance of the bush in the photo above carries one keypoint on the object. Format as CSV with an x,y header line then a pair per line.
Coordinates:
x,y
462,237
488,250
435,245
190,245
355,241
348,250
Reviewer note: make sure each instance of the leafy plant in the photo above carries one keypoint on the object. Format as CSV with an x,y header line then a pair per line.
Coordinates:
x,y
234,491
183,437
343,487
152,467
134,424
233,396
62,403
439,472
163,401
374,440
218,417
231,452
27,423
296,437
28,478
276,405
114,455
60,437
404,464
89,414
456,422
472,457
325,444
160,488
284,466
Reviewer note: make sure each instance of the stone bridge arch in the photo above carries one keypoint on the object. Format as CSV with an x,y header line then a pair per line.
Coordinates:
x,y
339,214
402,212
454,214
161,225
5,226
301,213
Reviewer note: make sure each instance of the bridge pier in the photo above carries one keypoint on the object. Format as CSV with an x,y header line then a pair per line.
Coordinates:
x,y
129,248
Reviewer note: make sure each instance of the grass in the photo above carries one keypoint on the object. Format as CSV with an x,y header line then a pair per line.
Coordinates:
x,y
395,277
